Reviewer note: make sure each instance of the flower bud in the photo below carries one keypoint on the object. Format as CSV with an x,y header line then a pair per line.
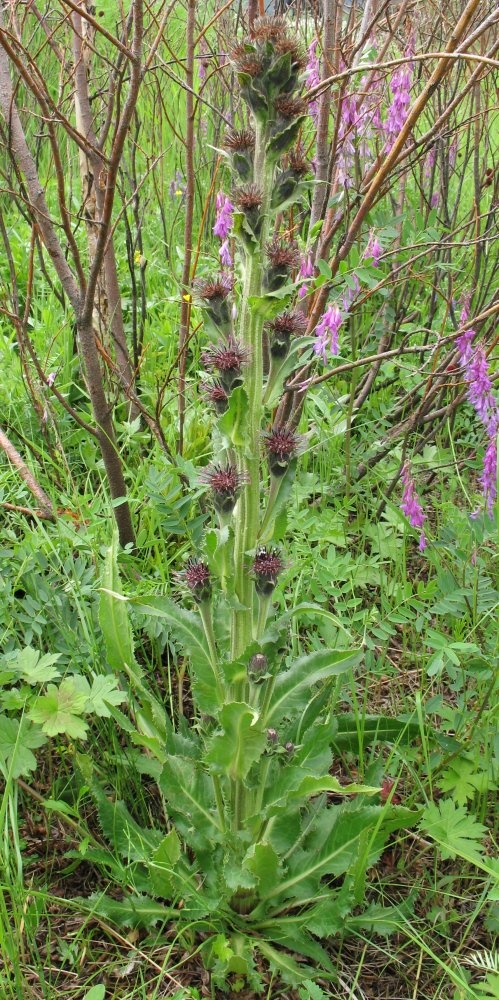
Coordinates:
x,y
272,736
289,748
197,577
266,568
257,666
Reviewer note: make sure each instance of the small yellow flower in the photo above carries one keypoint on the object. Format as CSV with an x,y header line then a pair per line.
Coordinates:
x,y
186,298
179,193
137,256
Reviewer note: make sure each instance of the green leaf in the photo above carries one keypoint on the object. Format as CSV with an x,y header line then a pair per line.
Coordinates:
x,y
188,793
122,831
314,786
241,742
113,613
33,668
293,686
289,970
187,629
233,423
97,992
164,859
263,862
456,832
355,733
131,911
18,737
103,694
60,709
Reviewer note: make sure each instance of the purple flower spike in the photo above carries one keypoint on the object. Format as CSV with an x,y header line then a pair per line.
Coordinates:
x,y
313,77
373,249
488,478
327,332
225,257
400,86
465,340
411,506
480,387
306,271
224,217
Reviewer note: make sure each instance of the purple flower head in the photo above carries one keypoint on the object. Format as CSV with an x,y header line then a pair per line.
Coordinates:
x,y
327,332
435,198
430,161
224,217
411,506
351,293
373,249
313,77
400,86
488,478
465,340
225,257
480,392
453,151
306,271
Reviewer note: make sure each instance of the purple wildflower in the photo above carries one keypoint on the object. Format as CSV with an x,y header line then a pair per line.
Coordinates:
x,y
225,257
306,271
373,249
465,340
313,77
327,332
480,387
224,217
488,478
346,150
411,506
453,152
400,86
430,161
351,293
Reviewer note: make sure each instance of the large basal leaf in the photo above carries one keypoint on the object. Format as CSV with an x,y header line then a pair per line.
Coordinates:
x,y
188,631
122,831
263,862
188,792
332,847
130,911
113,613
241,742
163,865
293,686
356,734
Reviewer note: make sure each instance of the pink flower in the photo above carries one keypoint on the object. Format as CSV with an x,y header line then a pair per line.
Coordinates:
x,y
224,217
373,249
313,77
400,86
411,506
225,257
327,332
488,478
306,271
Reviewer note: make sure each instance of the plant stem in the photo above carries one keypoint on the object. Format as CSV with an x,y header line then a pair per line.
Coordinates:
x,y
205,613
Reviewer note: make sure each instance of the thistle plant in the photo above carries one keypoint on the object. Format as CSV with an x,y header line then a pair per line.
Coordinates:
x,y
255,844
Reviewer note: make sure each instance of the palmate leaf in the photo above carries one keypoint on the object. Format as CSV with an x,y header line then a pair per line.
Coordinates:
x,y
59,710
33,668
456,832
293,686
103,695
18,737
241,742
188,630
